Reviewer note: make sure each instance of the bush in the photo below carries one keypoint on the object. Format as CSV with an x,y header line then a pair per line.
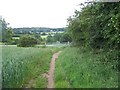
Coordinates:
x,y
65,38
27,41
96,26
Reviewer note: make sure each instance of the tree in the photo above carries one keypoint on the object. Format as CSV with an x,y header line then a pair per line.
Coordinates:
x,y
7,32
96,25
57,36
0,29
3,26
38,37
8,36
43,33
50,39
65,38
27,41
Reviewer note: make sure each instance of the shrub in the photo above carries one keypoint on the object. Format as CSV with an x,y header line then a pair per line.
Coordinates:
x,y
27,41
65,38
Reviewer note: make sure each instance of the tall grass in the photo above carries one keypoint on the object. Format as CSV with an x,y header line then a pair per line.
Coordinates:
x,y
0,67
22,64
80,68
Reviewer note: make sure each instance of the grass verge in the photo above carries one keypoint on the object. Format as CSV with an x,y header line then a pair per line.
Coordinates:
x,y
80,68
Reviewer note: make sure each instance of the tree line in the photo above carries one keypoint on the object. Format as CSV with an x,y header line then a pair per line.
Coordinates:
x,y
97,27
32,30
28,39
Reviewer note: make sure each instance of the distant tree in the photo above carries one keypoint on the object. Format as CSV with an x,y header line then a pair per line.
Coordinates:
x,y
5,32
37,36
65,38
27,41
0,29
50,39
15,41
4,29
8,36
44,33
40,40
57,36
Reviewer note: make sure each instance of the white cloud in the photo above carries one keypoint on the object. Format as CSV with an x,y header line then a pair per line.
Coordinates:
x,y
38,13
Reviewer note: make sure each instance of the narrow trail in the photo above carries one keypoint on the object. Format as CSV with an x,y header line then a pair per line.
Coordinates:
x,y
50,76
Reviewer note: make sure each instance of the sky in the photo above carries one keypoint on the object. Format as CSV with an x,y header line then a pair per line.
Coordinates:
x,y
38,13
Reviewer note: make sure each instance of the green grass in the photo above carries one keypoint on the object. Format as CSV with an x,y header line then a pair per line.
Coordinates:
x,y
44,36
79,68
41,82
20,65
15,37
0,67
1,43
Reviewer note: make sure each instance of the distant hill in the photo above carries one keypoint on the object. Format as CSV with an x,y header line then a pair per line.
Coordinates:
x,y
37,30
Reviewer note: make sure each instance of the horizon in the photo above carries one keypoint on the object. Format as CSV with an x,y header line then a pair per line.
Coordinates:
x,y
39,27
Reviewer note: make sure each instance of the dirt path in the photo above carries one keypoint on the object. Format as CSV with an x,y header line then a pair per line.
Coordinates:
x,y
49,75
51,71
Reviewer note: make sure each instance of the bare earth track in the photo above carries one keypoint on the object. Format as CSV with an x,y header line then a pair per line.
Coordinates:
x,y
50,76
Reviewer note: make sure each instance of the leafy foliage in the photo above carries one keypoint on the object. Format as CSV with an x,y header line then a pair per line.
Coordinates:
x,y
61,37
50,39
8,35
57,36
65,38
5,32
27,41
97,25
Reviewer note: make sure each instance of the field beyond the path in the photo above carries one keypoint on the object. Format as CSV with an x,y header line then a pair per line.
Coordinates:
x,y
20,65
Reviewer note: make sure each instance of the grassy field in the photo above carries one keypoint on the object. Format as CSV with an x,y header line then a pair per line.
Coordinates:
x,y
0,67
44,36
79,68
22,64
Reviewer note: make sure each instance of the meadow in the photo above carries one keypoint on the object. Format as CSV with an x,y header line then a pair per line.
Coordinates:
x,y
0,67
74,68
80,68
20,65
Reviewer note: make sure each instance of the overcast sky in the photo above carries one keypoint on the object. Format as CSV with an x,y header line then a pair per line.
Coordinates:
x,y
38,13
